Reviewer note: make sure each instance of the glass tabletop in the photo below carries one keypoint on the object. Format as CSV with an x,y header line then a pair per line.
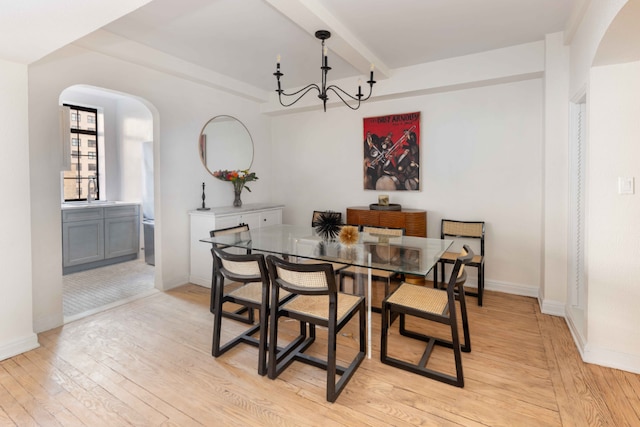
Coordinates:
x,y
405,254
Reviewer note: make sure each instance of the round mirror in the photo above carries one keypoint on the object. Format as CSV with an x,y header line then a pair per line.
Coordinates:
x,y
225,144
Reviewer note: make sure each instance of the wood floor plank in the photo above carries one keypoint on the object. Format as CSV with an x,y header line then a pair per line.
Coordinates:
x,y
149,363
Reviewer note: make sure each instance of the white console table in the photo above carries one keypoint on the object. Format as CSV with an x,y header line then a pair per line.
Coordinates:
x,y
255,215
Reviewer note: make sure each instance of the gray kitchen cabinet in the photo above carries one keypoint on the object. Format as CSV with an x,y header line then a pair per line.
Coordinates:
x,y
121,231
97,236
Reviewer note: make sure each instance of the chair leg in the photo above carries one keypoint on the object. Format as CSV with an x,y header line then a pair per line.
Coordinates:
x,y
264,328
480,283
457,354
216,297
466,346
331,363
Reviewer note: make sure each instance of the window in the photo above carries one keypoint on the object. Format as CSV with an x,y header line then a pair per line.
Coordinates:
x,y
84,153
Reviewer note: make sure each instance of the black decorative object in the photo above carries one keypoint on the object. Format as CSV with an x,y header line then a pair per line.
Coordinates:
x,y
203,208
328,224
323,91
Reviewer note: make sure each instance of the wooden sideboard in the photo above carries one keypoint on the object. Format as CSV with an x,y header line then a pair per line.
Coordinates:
x,y
414,221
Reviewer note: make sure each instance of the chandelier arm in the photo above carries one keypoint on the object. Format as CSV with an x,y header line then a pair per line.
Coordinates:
x,y
306,90
333,88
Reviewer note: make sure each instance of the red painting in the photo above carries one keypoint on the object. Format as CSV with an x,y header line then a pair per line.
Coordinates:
x,y
392,152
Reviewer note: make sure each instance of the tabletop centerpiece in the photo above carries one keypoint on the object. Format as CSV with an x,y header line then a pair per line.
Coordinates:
x,y
238,178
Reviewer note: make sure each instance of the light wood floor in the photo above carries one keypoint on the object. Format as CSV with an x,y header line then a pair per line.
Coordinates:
x,y
149,363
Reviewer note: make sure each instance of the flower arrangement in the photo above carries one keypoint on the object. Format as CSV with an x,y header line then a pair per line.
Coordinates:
x,y
237,177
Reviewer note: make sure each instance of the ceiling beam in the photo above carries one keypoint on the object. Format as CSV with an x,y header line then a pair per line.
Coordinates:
x,y
311,16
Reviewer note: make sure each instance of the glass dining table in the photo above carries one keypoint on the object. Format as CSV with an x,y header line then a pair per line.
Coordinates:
x,y
407,255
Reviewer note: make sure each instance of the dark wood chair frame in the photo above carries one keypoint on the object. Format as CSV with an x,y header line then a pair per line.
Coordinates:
x,y
220,297
238,314
478,265
386,279
279,360
455,291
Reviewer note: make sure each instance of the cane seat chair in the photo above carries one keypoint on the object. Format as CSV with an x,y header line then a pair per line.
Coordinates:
x,y
463,230
316,303
251,272
239,313
361,273
432,304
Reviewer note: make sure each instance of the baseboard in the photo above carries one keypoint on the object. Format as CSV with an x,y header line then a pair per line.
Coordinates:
x,y
553,308
45,323
578,338
612,359
201,281
18,346
508,288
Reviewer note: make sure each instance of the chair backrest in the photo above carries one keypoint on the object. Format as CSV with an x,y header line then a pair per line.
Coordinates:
x,y
304,279
459,275
316,218
463,229
229,230
382,231
240,267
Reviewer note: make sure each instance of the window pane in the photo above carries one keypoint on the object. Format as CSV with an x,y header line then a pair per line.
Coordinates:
x,y
82,119
83,151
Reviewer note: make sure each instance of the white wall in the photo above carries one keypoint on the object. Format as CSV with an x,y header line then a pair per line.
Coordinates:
x,y
180,109
481,159
613,229
16,331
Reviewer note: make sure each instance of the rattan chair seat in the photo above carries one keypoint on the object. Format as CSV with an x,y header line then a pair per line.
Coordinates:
x,y
253,292
421,298
318,306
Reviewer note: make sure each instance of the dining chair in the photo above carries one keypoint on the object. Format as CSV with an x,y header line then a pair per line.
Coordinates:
x,y
316,303
237,314
361,273
431,304
463,230
251,272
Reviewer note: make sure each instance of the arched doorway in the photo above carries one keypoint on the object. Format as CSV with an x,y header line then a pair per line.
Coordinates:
x,y
122,153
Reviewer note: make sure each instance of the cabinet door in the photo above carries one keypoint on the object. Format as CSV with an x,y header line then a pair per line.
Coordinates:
x,y
121,236
83,242
268,218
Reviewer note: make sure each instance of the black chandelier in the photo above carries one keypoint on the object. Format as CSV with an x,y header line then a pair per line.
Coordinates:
x,y
322,92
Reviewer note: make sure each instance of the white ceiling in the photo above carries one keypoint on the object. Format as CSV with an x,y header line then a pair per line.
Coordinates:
x,y
241,38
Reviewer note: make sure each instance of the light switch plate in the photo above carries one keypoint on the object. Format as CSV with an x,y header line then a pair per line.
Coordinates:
x,y
625,185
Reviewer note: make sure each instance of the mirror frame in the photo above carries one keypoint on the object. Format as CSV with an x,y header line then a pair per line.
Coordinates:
x,y
202,144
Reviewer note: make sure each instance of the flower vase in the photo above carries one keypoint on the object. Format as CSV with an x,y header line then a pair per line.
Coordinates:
x,y
237,190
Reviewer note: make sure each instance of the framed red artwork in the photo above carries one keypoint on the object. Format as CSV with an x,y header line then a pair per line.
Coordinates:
x,y
392,152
